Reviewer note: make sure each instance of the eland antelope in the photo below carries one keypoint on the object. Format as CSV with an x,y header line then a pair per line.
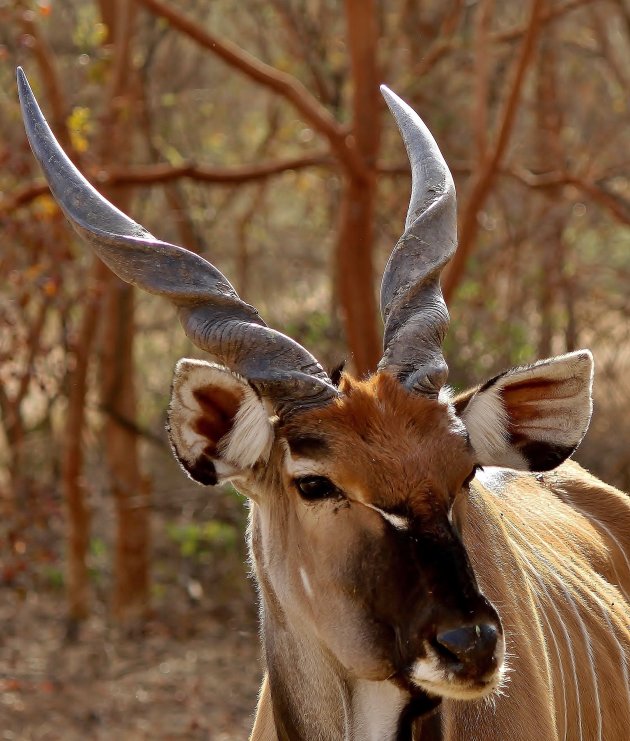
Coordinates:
x,y
429,565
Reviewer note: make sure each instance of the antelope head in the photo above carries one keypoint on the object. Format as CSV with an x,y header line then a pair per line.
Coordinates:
x,y
358,488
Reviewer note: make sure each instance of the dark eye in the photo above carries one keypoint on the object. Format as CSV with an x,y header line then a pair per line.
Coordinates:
x,y
471,475
316,487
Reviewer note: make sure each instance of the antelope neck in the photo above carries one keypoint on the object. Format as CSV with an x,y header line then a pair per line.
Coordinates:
x,y
314,698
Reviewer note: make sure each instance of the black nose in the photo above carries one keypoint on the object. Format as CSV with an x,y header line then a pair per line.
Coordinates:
x,y
473,647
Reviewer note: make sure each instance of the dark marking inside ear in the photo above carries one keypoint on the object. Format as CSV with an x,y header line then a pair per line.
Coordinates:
x,y
543,456
489,383
533,384
461,401
335,375
518,395
308,446
203,470
219,408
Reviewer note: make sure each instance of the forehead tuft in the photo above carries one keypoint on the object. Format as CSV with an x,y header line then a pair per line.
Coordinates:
x,y
376,406
382,438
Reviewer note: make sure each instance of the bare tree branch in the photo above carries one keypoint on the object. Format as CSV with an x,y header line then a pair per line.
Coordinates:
x,y
487,171
444,42
443,45
23,197
161,173
48,70
279,82
547,16
483,20
616,206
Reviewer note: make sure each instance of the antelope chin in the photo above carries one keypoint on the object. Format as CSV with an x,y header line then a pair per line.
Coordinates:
x,y
430,675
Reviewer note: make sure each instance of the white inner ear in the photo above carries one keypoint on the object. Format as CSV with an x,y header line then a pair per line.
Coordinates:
x,y
251,436
184,408
564,413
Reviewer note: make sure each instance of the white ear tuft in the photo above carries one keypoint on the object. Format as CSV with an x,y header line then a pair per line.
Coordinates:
x,y
252,434
486,420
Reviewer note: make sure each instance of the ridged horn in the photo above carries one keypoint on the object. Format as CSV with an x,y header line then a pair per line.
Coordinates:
x,y
413,309
210,310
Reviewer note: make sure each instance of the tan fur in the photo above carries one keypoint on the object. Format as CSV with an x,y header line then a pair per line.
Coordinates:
x,y
264,727
549,550
558,579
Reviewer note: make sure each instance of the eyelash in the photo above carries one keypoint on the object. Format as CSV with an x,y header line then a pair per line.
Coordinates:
x,y
316,488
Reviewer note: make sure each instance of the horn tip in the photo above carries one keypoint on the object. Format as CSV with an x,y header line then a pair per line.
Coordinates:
x,y
25,93
401,111
389,95
22,80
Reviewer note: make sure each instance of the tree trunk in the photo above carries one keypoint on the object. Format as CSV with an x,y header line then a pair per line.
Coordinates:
x,y
356,274
552,222
77,512
130,599
355,242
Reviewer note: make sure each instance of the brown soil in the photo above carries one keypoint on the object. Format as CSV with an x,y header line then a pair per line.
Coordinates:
x,y
190,675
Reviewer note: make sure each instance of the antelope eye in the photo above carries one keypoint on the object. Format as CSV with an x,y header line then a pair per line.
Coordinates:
x,y
312,488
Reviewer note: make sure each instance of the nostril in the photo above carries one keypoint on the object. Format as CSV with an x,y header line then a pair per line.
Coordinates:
x,y
444,652
472,645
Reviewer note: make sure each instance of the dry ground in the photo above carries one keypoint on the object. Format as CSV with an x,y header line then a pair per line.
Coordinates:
x,y
191,676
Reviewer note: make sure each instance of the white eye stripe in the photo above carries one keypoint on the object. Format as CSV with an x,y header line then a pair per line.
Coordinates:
x,y
397,521
300,467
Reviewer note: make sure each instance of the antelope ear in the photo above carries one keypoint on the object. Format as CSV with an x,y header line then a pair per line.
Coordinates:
x,y
531,418
218,425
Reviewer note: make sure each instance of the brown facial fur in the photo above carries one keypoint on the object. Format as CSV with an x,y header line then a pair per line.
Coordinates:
x,y
387,591
389,448
542,547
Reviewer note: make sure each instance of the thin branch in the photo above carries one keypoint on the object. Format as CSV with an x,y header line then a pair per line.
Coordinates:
x,y
608,50
22,197
615,205
482,182
158,174
442,46
524,59
34,344
483,21
132,426
548,16
279,82
444,43
164,173
305,43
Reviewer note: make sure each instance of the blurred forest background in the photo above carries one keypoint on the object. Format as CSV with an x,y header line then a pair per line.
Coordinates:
x,y
253,132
